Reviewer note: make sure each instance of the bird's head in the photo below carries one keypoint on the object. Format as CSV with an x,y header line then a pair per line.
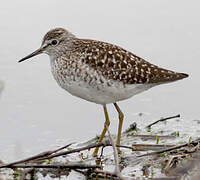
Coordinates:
x,y
54,43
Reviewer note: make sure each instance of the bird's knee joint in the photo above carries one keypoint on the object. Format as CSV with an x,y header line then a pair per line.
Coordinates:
x,y
107,124
121,116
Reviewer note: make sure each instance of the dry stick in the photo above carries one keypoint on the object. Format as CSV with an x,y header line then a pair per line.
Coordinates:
x,y
117,170
107,173
146,136
194,143
162,119
147,147
164,178
126,147
61,148
36,157
49,155
58,166
104,143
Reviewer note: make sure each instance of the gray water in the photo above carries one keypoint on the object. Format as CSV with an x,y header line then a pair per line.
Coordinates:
x,y
36,115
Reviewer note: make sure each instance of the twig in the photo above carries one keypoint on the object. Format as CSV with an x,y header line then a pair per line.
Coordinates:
x,y
146,137
162,119
194,143
164,178
116,158
104,143
105,173
36,157
49,155
99,173
57,166
147,147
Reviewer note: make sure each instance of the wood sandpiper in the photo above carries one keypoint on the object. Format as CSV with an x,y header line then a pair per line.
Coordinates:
x,y
100,72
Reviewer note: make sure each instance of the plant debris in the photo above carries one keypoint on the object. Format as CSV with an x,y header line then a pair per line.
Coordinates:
x,y
143,155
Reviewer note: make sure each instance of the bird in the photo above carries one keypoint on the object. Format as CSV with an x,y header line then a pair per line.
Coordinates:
x,y
100,72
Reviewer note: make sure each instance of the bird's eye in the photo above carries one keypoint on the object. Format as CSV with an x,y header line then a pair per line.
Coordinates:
x,y
54,42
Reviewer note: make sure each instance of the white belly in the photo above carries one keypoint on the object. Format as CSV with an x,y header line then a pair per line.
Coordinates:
x,y
104,95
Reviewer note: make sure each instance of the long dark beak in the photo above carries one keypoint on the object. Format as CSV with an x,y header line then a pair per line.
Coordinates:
x,y
35,53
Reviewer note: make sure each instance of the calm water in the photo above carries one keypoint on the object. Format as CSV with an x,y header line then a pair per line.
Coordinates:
x,y
37,115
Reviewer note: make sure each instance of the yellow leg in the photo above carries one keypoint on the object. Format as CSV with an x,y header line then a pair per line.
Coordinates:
x,y
107,122
121,118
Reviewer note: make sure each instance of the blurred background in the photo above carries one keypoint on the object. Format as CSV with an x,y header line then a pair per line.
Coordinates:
x,y
37,115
